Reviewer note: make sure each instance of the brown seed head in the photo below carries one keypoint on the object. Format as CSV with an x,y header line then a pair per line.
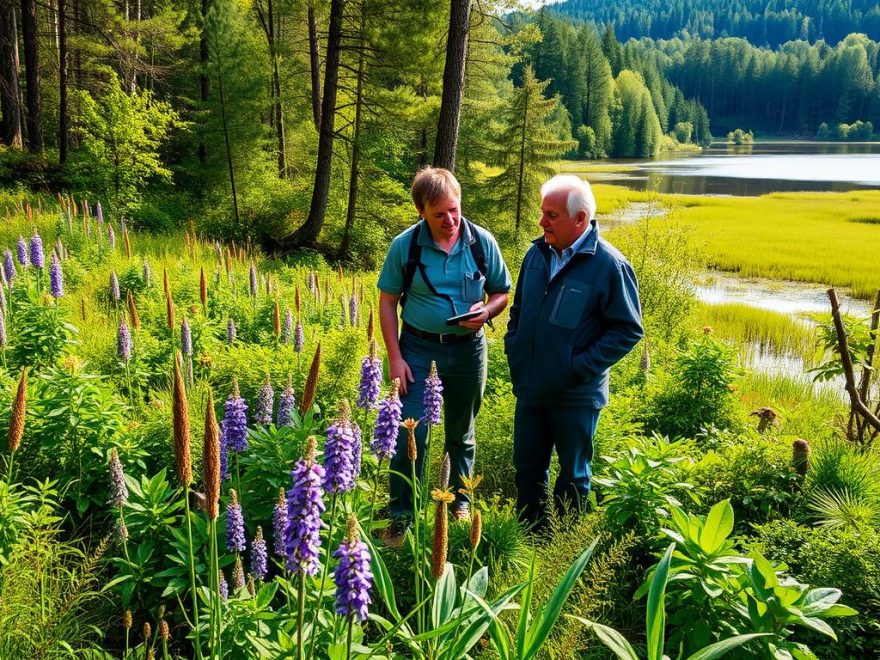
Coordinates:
x,y
432,372
374,351
311,448
445,469
169,311
19,408
476,530
344,417
211,460
82,308
411,450
441,540
132,312
370,326
282,499
203,287
147,630
237,574
165,286
182,458
252,589
311,386
164,631
297,300
126,619
394,391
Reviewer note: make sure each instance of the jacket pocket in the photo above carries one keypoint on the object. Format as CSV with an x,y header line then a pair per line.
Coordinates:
x,y
569,305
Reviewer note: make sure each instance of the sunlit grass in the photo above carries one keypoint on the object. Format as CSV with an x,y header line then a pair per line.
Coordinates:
x,y
595,166
746,324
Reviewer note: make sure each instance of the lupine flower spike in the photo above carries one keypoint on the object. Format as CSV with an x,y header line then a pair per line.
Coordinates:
x,y
353,577
265,403
279,524
38,259
56,277
114,287
22,249
286,404
231,332
305,504
371,380
299,337
9,266
118,489
433,397
385,431
259,559
235,536
339,474
235,421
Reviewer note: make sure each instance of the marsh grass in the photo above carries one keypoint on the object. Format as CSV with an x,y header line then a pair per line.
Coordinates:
x,y
747,324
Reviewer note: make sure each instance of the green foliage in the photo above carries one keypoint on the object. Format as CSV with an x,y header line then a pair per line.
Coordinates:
x,y
739,137
121,135
697,392
494,430
637,129
40,332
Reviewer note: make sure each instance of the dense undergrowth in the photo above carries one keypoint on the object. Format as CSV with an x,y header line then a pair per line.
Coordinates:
x,y
697,513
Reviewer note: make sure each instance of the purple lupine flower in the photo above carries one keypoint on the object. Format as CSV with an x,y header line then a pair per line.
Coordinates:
x,y
299,338
186,341
230,331
353,314
388,424
111,237
122,224
99,213
123,342
38,259
286,403
235,540
9,266
288,326
224,587
253,280
259,558
352,576
148,274
432,400
305,504
56,277
265,403
339,454
371,381
234,426
279,524
22,249
2,325
118,489
114,287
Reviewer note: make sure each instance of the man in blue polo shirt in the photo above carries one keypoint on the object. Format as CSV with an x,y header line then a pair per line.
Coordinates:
x,y
454,267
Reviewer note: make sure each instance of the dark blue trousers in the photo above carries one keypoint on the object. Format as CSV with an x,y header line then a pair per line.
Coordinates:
x,y
537,430
462,370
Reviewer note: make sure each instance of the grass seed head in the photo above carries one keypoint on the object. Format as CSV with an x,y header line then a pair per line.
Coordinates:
x,y
19,409
182,459
211,460
311,386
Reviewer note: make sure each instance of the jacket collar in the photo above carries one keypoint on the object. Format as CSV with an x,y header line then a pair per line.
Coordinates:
x,y
587,247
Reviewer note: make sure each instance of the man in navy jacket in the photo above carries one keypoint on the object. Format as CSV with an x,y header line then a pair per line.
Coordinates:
x,y
575,313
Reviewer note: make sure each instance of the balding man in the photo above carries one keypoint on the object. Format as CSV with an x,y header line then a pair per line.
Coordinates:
x,y
575,313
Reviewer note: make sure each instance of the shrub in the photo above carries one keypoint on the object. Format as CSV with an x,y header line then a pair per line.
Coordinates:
x,y
494,433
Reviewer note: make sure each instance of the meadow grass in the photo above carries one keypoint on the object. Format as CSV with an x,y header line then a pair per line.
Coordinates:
x,y
827,238
588,166
746,324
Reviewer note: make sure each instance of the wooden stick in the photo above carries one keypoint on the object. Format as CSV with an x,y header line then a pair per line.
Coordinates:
x,y
868,370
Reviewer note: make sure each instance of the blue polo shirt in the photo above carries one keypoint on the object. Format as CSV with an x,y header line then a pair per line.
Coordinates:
x,y
447,272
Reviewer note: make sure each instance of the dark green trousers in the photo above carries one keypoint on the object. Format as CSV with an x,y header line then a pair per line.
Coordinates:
x,y
462,369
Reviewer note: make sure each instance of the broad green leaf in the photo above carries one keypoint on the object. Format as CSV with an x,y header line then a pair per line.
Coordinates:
x,y
765,569
381,578
656,616
522,627
479,582
838,610
818,625
611,638
718,526
547,616
819,600
444,596
472,633
718,649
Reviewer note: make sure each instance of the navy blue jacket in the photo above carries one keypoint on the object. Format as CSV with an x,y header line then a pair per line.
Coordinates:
x,y
564,334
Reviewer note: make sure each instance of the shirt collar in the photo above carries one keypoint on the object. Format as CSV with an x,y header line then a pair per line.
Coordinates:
x,y
574,247
465,237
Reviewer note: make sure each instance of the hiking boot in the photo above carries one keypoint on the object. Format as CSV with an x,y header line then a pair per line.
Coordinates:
x,y
395,533
461,512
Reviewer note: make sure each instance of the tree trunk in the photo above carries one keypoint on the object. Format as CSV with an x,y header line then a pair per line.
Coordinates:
x,y
315,66
310,229
34,118
453,84
10,96
226,138
268,21
522,160
203,74
345,245
62,83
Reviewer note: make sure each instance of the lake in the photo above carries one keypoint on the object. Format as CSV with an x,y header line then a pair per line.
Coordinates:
x,y
757,169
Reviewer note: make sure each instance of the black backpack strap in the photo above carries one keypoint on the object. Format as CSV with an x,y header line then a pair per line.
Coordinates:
x,y
413,261
477,250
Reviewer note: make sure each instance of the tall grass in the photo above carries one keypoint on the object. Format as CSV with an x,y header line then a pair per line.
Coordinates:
x,y
746,324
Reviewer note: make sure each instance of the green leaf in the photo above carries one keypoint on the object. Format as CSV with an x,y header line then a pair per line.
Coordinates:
x,y
718,526
611,638
381,578
656,616
548,614
718,649
444,596
818,625
479,582
522,627
764,569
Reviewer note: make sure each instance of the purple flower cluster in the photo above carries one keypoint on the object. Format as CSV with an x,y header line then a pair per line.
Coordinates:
x,y
22,249
56,277
259,557
114,287
288,326
224,587
99,213
235,538
186,342
339,450
279,525
286,404
265,403
433,397
118,489
123,342
387,426
357,450
38,259
231,332
9,266
299,337
234,426
305,504
353,578
253,280
371,381
353,309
